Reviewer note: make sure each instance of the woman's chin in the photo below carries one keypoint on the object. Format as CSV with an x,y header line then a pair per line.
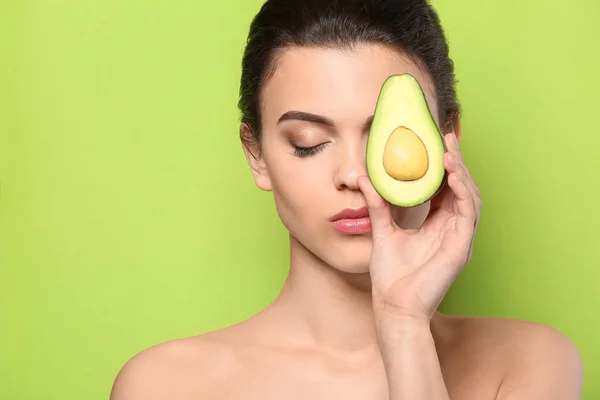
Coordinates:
x,y
357,275
358,265
351,256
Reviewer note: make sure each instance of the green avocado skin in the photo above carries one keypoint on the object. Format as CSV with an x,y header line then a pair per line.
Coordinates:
x,y
402,102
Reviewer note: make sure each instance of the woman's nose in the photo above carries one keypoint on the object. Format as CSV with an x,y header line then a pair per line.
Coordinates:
x,y
351,164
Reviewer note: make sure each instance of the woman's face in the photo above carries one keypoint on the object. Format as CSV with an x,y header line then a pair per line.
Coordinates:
x,y
326,98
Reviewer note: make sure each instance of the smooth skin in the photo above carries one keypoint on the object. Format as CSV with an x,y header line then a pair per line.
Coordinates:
x,y
357,317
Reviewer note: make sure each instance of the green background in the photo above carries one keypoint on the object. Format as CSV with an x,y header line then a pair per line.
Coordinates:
x,y
129,217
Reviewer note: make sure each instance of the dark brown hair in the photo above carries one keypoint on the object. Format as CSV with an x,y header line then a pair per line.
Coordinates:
x,y
410,26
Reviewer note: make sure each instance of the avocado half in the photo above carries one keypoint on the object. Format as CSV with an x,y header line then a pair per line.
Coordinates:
x,y
405,147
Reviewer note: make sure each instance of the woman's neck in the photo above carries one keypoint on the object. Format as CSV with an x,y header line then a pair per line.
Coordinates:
x,y
324,307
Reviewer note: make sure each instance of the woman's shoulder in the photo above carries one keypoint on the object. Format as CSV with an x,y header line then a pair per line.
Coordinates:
x,y
503,350
178,369
517,350
508,334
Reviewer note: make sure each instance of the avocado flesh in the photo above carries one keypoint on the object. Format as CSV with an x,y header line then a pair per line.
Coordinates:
x,y
405,147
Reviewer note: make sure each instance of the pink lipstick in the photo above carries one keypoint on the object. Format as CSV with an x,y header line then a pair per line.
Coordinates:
x,y
352,221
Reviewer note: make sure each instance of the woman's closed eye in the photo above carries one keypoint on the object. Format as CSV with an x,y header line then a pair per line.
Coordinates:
x,y
303,152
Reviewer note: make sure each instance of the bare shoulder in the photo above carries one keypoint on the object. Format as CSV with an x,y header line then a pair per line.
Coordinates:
x,y
535,360
177,369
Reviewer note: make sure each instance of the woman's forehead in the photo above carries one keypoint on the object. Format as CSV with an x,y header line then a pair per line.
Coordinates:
x,y
335,82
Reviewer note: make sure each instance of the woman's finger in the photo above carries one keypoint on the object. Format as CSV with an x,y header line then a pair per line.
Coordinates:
x,y
452,146
456,164
440,210
458,160
475,202
467,216
455,246
379,209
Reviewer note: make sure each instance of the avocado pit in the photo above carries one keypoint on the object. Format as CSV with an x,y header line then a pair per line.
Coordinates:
x,y
405,156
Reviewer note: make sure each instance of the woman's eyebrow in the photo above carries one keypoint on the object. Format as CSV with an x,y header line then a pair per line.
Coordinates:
x,y
304,116
317,119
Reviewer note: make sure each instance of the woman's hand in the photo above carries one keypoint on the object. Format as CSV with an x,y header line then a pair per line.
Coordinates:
x,y
412,270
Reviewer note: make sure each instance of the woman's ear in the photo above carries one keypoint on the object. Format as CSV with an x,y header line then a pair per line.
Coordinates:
x,y
254,157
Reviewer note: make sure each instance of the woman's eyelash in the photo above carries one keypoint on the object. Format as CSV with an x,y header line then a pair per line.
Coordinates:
x,y
303,152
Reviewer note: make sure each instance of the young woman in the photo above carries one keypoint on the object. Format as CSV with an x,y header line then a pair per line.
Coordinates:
x,y
357,317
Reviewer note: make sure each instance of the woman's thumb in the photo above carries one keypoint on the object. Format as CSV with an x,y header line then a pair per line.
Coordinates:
x,y
379,209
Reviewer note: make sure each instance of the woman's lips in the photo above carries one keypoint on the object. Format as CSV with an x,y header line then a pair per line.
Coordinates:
x,y
353,226
352,221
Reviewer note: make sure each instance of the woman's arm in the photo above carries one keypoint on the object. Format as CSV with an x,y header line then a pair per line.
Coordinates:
x,y
410,359
540,362
411,271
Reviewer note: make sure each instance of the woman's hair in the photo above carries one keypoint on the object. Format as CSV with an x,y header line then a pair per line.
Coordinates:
x,y
410,26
